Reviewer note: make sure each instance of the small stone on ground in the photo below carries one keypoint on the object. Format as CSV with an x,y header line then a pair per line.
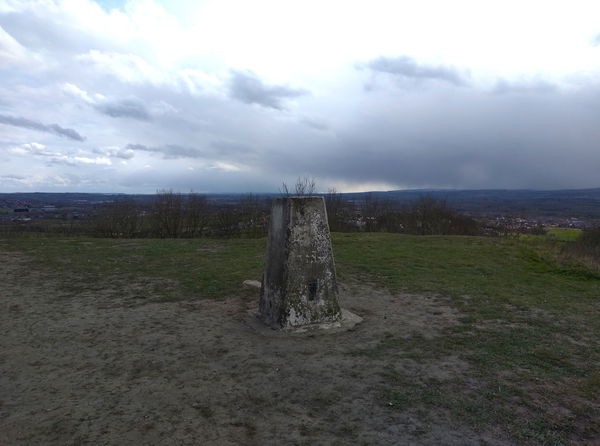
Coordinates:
x,y
252,284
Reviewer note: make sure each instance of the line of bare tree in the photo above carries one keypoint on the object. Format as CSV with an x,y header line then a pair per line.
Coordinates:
x,y
174,215
425,216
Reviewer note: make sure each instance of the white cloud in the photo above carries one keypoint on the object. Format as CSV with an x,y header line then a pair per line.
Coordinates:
x,y
128,68
226,167
199,82
104,161
53,156
115,152
32,148
11,51
77,92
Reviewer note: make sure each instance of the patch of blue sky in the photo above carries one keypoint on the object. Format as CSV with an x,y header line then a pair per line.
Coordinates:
x,y
109,5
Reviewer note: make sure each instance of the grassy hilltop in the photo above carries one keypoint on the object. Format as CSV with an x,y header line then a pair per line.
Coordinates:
x,y
468,340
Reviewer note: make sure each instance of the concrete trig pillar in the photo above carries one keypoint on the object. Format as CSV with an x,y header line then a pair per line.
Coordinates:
x,y
299,284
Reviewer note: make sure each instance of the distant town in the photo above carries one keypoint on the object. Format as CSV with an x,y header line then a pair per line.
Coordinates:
x,y
519,210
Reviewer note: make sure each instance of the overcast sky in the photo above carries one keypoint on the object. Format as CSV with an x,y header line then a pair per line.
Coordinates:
x,y
238,96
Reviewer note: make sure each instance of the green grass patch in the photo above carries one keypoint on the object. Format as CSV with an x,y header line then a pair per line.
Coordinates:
x,y
500,271
564,234
191,268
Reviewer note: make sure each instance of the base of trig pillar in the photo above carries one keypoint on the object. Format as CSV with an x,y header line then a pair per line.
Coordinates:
x,y
347,322
299,284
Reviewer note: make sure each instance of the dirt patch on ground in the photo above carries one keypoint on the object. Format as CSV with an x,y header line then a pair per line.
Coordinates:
x,y
93,368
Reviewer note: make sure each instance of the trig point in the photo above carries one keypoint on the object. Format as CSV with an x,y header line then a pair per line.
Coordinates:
x,y
299,285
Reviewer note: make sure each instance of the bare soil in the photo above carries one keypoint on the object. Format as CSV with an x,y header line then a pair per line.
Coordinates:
x,y
109,366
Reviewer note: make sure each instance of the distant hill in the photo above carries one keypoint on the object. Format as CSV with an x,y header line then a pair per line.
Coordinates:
x,y
575,203
583,203
68,198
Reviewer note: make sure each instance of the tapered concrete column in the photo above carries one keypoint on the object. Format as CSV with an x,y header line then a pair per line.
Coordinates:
x,y
299,284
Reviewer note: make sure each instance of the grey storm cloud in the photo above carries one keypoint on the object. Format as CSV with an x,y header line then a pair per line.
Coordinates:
x,y
232,148
168,151
18,121
524,87
480,140
315,124
407,67
125,109
245,86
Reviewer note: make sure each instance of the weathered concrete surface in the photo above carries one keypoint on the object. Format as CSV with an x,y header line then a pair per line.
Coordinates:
x,y
347,322
299,283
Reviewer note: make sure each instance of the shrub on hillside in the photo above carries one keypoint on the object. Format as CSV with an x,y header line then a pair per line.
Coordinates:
x,y
590,238
586,248
426,216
